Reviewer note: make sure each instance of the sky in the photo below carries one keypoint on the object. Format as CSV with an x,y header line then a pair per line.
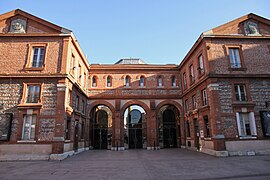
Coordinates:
x,y
157,31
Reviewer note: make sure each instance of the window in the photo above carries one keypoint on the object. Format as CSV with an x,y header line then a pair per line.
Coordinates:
x,y
70,98
265,119
201,65
109,81
207,126
72,64
77,103
29,127
235,61
191,71
38,57
84,80
80,73
188,128
204,97
159,81
127,81
33,94
185,80
240,93
246,124
82,130
68,126
194,102
94,81
186,105
173,81
142,81
83,106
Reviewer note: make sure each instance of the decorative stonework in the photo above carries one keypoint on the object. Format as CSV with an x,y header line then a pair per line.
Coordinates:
x,y
18,26
251,28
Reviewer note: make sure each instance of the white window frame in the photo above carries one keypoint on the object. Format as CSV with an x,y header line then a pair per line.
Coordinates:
x,y
235,61
242,125
239,93
38,58
29,126
201,64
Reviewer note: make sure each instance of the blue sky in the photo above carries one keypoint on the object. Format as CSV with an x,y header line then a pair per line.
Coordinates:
x,y
157,31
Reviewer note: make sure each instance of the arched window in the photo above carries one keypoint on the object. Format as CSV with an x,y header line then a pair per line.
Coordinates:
x,y
173,81
94,81
159,81
127,81
142,81
109,81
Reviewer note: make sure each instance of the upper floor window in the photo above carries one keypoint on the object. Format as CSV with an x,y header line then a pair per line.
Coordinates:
x,y
94,81
80,73
142,81
33,94
38,57
186,105
235,60
201,65
173,81
240,92
194,100
185,80
127,81
83,106
77,103
109,81
192,76
72,64
29,127
159,81
204,97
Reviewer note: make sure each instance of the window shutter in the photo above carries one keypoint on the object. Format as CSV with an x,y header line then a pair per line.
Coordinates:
x,y
238,124
252,124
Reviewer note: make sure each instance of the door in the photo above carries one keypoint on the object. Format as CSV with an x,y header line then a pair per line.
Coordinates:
x,y
76,135
135,138
197,134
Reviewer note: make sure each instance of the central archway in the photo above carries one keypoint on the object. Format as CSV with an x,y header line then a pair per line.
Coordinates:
x,y
135,131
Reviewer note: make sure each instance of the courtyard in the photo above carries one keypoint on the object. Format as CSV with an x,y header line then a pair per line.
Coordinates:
x,y
140,164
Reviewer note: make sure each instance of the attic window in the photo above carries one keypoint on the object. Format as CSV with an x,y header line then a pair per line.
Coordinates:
x,y
17,26
251,28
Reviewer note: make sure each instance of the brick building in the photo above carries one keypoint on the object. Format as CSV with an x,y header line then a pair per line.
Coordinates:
x,y
54,104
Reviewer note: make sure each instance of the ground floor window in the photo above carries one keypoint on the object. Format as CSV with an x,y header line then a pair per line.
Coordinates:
x,y
246,124
29,127
207,126
265,118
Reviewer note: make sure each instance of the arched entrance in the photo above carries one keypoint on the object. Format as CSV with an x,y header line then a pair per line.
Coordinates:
x,y
167,126
135,127
102,127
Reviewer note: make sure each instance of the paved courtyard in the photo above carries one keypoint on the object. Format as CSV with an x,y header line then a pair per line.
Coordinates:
x,y
140,164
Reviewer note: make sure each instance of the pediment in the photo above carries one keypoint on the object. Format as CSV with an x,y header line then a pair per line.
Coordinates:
x,y
20,22
251,25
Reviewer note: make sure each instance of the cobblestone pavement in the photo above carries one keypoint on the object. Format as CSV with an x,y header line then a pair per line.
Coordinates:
x,y
140,164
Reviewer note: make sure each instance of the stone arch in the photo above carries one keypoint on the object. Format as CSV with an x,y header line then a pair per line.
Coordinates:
x,y
101,102
134,102
170,102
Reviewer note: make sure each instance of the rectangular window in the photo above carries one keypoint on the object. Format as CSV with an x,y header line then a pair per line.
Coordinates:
x,y
33,94
240,92
29,127
194,102
201,65
80,73
204,97
38,57
235,61
246,124
186,105
185,80
188,128
265,118
192,76
83,106
68,126
77,103
72,64
207,126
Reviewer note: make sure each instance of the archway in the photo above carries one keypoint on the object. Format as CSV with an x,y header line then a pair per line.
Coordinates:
x,y
167,126
135,131
101,127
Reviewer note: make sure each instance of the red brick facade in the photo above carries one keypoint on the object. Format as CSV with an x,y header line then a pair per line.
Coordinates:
x,y
215,101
